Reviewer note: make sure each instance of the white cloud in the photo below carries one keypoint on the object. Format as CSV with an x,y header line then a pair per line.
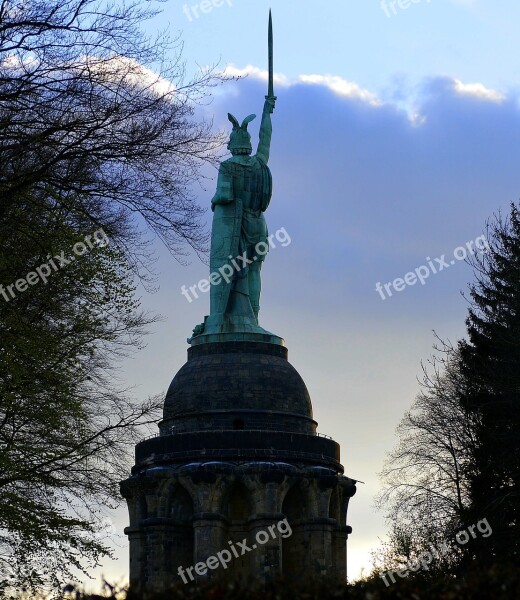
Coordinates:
x,y
256,73
342,86
114,69
120,68
477,90
417,119
335,83
351,89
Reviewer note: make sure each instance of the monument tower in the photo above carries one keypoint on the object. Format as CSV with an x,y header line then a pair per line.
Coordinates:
x,y
238,482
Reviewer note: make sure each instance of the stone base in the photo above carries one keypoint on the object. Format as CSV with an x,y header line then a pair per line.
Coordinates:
x,y
225,328
238,461
290,516
211,338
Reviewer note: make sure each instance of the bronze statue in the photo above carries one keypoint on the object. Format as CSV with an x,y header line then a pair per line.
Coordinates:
x,y
239,236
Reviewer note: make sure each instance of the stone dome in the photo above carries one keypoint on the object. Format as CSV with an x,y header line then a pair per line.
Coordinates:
x,y
237,385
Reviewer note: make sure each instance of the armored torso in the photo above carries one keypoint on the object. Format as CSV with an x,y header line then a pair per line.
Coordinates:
x,y
251,181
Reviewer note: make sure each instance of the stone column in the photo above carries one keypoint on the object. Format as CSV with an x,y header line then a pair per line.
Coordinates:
x,y
319,534
266,546
339,551
155,541
136,539
209,529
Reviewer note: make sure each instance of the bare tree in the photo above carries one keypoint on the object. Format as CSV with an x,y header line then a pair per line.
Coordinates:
x,y
95,110
425,492
457,460
98,129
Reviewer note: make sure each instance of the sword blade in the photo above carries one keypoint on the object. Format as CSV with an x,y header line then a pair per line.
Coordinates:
x,y
270,88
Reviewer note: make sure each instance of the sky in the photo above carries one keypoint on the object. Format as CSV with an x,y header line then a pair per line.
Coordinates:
x,y
396,135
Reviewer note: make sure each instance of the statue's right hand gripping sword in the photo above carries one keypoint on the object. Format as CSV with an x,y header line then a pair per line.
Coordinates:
x,y
270,89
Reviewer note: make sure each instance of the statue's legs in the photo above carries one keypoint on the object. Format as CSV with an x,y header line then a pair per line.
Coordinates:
x,y
239,304
255,286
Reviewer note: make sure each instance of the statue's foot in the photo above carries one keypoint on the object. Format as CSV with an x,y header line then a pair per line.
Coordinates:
x,y
233,328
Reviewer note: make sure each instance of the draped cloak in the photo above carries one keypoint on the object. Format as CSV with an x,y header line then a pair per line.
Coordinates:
x,y
243,194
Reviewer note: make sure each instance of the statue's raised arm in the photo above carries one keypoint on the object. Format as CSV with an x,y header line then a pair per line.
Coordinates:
x,y
266,130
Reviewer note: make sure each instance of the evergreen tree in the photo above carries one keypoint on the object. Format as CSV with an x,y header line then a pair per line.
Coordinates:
x,y
458,457
490,367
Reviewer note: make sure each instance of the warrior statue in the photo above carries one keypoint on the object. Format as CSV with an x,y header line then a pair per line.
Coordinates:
x,y
239,237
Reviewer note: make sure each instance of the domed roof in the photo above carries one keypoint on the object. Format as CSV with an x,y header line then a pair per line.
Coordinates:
x,y
238,385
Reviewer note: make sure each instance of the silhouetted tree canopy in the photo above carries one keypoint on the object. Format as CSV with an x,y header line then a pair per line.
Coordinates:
x,y
490,364
458,457
100,113
98,131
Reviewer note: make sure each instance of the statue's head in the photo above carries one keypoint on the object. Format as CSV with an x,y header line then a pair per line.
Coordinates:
x,y
240,139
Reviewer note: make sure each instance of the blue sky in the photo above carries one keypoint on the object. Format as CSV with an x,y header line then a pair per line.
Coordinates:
x,y
474,40
395,138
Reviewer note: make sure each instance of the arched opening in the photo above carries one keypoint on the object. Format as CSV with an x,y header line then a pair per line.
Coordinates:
x,y
295,547
239,504
180,543
237,508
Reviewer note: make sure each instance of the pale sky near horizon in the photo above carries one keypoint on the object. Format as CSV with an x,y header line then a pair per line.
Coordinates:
x,y
395,138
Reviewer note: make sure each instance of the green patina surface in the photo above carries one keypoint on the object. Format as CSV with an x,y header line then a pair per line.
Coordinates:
x,y
239,236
